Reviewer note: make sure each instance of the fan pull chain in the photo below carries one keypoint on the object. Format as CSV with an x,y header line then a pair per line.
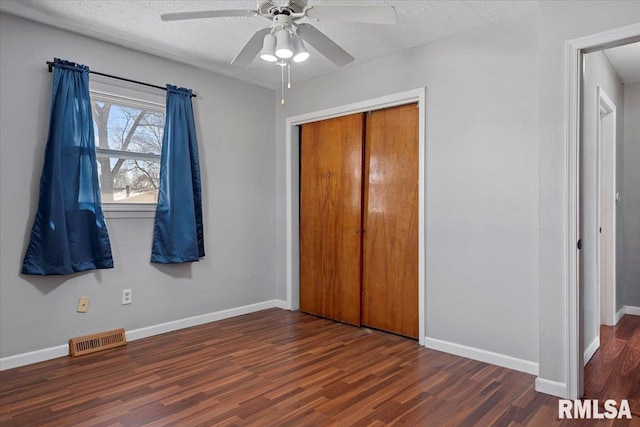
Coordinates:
x,y
289,73
282,86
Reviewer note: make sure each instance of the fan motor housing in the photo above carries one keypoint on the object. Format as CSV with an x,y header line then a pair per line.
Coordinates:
x,y
272,8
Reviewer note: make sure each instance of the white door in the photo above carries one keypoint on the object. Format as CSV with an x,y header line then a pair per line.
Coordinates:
x,y
606,208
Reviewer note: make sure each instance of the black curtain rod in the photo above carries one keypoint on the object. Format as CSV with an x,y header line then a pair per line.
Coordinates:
x,y
50,65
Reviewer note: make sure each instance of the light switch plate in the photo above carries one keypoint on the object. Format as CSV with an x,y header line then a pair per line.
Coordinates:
x,y
83,305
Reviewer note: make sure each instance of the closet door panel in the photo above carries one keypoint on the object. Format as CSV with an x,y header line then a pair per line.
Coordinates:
x,y
330,218
390,221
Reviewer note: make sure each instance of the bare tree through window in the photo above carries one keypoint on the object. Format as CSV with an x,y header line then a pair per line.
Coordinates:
x,y
128,146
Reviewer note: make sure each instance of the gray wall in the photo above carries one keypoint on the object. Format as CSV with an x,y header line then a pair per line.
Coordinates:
x,y
597,72
236,137
496,185
629,231
482,177
561,21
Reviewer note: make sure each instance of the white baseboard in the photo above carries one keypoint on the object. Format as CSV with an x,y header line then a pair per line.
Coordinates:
x,y
175,325
136,334
278,303
482,355
634,311
619,315
554,388
591,350
34,357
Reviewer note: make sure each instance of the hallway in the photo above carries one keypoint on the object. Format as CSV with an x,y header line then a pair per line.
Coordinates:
x,y
614,370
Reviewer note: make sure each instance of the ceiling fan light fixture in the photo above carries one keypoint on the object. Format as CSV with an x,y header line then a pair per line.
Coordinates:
x,y
283,47
268,48
300,51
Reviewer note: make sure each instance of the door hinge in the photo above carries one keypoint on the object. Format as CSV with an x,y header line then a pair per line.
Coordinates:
x,y
579,244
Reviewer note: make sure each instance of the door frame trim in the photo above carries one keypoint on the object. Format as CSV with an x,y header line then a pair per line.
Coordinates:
x,y
292,201
574,49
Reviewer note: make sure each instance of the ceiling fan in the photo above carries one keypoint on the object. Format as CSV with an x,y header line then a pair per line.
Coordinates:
x,y
282,41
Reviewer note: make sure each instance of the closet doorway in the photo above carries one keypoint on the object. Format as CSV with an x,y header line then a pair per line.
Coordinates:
x,y
359,219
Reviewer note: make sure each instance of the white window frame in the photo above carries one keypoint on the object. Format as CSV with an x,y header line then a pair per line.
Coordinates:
x,y
133,94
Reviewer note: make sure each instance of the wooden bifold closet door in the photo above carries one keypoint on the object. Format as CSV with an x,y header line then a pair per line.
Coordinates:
x,y
359,219
331,218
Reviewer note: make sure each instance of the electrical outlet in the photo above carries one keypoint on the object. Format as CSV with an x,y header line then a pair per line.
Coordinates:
x,y
83,305
127,296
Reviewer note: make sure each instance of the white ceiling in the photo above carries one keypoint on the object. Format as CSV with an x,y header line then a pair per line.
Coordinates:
x,y
211,44
625,60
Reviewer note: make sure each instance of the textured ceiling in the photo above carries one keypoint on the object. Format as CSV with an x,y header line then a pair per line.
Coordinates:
x,y
212,43
625,60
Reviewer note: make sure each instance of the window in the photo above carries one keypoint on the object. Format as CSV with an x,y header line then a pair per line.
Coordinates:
x,y
128,134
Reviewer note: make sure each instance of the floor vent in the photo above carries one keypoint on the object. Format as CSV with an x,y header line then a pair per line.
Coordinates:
x,y
97,342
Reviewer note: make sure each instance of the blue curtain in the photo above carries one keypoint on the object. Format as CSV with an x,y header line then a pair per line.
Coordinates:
x,y
177,233
69,233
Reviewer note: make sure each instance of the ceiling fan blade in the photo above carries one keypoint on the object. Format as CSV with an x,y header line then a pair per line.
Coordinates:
x,y
324,44
207,14
251,49
353,13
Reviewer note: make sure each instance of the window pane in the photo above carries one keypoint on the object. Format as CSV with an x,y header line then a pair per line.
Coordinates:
x,y
118,127
129,127
136,181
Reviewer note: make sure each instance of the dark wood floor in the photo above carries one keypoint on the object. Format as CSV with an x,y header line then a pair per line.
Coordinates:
x,y
273,368
614,370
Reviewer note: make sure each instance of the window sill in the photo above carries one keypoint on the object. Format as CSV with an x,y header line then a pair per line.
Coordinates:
x,y
122,210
